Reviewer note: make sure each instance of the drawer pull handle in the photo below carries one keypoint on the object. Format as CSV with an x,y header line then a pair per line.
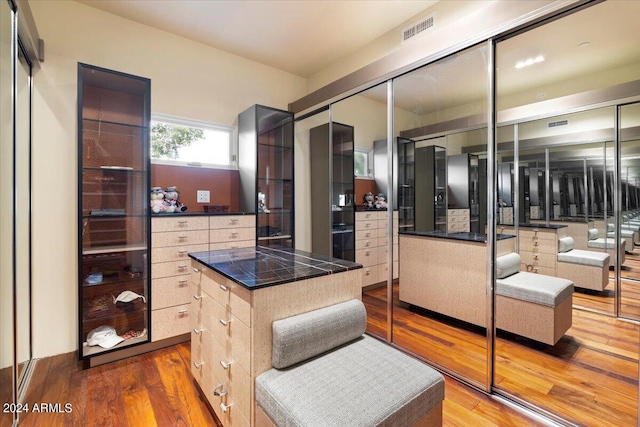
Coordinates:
x,y
225,365
224,407
367,225
182,266
225,322
234,221
368,234
224,288
198,365
195,270
197,331
182,237
368,253
182,251
219,390
182,281
183,311
182,221
197,297
368,244
368,273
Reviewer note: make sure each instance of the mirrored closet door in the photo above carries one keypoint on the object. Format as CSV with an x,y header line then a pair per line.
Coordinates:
x,y
558,127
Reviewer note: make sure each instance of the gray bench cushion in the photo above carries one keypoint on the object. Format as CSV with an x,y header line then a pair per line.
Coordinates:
x,y
535,288
365,383
301,337
565,244
508,264
602,244
578,256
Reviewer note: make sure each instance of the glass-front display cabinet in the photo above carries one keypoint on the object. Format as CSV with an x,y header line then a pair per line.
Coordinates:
x,y
266,173
113,202
332,187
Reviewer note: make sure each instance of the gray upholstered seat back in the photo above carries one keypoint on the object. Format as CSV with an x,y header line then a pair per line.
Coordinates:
x,y
306,335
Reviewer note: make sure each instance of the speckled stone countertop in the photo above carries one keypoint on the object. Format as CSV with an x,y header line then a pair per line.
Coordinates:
x,y
465,236
259,267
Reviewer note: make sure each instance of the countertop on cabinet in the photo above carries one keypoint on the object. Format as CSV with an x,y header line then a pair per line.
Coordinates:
x,y
179,214
541,225
260,267
464,236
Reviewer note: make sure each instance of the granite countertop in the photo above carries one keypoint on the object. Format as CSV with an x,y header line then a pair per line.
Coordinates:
x,y
193,213
259,267
464,236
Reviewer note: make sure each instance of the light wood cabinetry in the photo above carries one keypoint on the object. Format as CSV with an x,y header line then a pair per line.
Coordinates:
x,y
372,249
172,239
458,220
538,248
231,332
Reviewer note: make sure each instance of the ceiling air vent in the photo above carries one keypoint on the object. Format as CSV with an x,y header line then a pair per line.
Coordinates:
x,y
418,28
558,123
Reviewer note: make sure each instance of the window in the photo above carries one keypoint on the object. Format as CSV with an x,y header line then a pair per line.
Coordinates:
x,y
362,165
185,142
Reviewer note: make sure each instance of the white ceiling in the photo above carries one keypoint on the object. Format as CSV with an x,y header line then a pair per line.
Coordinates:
x,y
300,37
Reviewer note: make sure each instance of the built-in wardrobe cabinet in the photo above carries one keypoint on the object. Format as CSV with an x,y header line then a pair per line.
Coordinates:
x,y
266,173
332,190
113,210
464,193
430,188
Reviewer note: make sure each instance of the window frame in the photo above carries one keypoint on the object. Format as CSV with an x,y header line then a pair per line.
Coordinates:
x,y
200,124
368,152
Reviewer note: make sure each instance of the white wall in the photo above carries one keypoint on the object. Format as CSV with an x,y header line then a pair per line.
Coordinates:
x,y
188,79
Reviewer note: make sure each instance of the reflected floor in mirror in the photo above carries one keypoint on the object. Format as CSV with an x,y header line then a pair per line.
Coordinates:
x,y
589,377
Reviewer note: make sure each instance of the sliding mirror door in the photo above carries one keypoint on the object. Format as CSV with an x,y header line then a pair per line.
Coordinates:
x,y
7,271
23,219
365,115
440,303
629,134
559,347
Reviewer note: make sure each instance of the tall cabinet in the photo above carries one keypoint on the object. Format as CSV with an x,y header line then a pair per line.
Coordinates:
x,y
430,188
113,217
332,190
266,173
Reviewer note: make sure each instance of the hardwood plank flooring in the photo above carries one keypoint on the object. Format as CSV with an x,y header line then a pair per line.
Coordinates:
x,y
157,389
153,389
589,377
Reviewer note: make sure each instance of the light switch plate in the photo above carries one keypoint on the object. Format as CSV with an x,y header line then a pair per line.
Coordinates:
x,y
204,196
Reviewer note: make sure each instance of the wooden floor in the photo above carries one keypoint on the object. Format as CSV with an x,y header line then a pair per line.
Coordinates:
x,y
589,377
157,389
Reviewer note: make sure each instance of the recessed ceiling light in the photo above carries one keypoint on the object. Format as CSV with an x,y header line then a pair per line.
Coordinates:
x,y
584,44
529,61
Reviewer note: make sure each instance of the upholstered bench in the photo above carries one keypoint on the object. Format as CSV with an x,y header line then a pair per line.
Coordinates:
x,y
586,269
327,373
627,232
596,242
532,305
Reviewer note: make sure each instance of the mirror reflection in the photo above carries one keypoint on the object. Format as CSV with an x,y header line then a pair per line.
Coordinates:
x,y
558,194
439,305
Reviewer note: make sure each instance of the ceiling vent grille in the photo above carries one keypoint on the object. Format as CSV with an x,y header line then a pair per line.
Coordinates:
x,y
558,123
418,28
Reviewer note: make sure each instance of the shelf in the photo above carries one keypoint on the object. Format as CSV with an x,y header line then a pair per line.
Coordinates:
x,y
96,349
280,237
116,248
123,277
341,231
275,211
106,122
113,217
113,168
